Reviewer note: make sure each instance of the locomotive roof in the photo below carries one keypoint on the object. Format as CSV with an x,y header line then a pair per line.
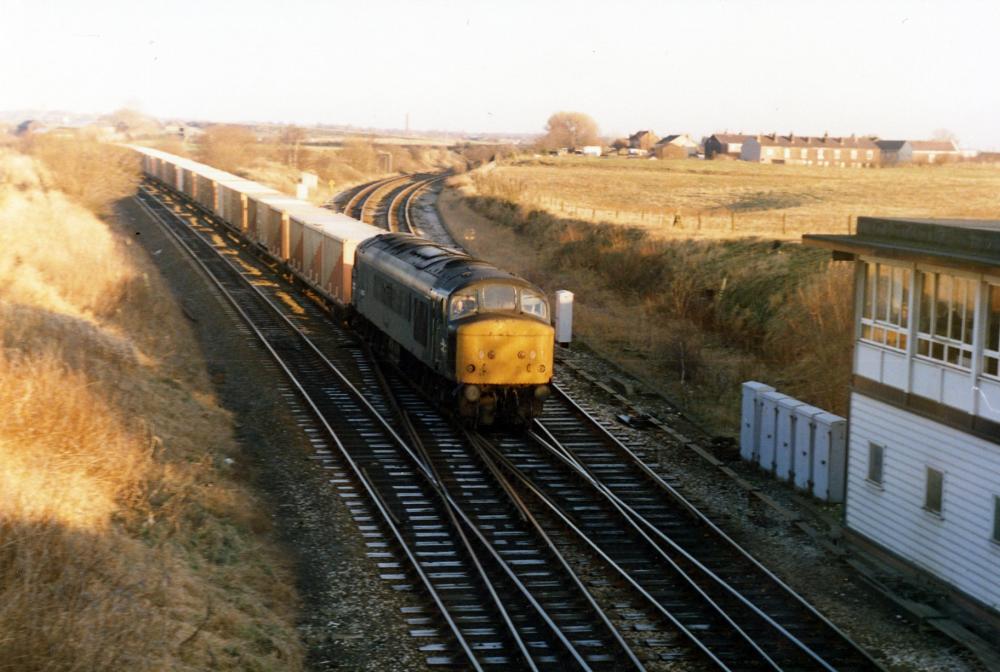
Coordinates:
x,y
452,268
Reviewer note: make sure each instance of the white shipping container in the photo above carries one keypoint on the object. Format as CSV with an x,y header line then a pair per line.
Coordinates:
x,y
750,425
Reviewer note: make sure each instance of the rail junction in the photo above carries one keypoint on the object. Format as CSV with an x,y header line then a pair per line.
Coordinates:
x,y
558,548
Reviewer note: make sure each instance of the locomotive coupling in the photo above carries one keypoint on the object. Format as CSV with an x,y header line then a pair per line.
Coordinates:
x,y
471,393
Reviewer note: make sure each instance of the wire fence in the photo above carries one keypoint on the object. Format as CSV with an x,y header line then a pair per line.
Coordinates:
x,y
709,223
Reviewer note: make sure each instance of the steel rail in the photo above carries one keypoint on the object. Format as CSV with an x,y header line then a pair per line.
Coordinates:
x,y
361,196
370,201
655,478
431,476
529,484
446,496
634,519
530,518
360,474
407,205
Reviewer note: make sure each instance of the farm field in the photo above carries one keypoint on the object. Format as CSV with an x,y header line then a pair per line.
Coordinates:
x,y
733,199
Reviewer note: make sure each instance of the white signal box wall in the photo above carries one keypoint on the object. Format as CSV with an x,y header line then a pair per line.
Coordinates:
x,y
564,317
784,450
769,428
829,457
805,446
750,426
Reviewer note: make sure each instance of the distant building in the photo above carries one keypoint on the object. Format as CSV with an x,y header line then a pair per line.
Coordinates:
x,y
934,151
642,140
730,144
895,152
678,146
923,475
591,150
852,152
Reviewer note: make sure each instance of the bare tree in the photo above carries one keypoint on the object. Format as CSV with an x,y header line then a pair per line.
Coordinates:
x,y
570,129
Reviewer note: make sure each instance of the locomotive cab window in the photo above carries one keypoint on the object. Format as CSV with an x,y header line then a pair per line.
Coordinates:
x,y
499,297
535,304
463,304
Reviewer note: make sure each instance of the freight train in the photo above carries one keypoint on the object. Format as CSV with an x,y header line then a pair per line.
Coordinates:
x,y
476,337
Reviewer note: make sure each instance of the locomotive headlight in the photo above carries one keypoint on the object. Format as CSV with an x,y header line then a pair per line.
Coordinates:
x,y
471,393
541,368
492,354
521,354
470,368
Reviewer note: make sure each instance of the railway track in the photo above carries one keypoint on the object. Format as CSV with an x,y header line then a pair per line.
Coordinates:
x,y
492,529
685,569
358,203
398,213
488,578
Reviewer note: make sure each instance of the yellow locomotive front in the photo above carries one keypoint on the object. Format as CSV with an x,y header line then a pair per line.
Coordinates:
x,y
503,351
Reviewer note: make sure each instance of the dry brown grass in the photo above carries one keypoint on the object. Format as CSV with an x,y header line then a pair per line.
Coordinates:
x,y
93,173
692,318
125,543
709,198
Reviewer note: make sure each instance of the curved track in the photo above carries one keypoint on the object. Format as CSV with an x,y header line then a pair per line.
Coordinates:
x,y
494,530
484,571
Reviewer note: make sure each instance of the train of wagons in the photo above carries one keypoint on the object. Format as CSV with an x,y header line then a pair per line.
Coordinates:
x,y
476,337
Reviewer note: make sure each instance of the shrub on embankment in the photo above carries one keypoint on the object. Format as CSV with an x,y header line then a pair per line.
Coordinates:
x,y
125,541
786,306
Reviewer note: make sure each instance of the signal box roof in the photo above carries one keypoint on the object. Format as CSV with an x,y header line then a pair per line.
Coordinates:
x,y
972,244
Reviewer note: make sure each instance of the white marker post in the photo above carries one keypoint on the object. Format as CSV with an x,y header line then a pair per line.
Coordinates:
x,y
564,317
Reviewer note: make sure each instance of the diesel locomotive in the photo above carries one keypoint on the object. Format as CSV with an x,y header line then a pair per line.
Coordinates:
x,y
478,336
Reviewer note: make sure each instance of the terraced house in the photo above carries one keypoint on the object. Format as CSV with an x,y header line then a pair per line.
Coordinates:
x,y
923,475
845,152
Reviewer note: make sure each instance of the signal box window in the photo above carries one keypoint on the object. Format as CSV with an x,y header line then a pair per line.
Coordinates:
x,y
876,458
947,312
885,317
934,491
991,346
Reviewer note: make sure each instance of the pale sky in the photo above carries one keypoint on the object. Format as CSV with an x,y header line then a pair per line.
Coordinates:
x,y
896,69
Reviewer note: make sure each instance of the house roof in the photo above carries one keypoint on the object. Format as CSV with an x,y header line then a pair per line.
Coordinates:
x,y
670,140
891,145
933,146
639,134
812,141
731,138
959,243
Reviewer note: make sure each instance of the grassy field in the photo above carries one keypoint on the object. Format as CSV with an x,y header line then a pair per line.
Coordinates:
x,y
732,198
126,540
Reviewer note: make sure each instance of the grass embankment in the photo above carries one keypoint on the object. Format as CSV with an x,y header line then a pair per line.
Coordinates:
x,y
127,540
685,198
693,318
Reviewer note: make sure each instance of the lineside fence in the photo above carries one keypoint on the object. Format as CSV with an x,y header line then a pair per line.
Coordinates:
x,y
710,223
